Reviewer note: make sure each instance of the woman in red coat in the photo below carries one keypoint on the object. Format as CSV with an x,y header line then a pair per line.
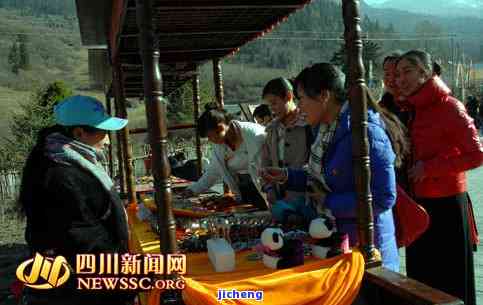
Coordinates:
x,y
445,145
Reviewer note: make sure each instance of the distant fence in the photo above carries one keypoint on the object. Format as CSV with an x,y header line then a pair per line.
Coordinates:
x,y
10,180
9,184
9,188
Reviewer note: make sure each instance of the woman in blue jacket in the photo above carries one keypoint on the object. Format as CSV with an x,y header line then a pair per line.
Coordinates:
x,y
322,96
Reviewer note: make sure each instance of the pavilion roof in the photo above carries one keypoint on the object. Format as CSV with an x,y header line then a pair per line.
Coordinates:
x,y
189,32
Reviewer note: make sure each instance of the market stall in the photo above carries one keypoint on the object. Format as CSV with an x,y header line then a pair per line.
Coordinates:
x,y
317,281
155,47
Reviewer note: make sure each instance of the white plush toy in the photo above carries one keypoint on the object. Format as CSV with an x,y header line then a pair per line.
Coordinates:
x,y
328,242
283,252
321,228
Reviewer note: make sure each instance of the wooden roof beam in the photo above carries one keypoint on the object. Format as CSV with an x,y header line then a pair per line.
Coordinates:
x,y
134,61
190,33
129,72
138,77
173,127
188,6
161,51
138,65
140,82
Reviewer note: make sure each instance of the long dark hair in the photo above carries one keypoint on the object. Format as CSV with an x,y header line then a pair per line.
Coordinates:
x,y
34,169
210,119
326,76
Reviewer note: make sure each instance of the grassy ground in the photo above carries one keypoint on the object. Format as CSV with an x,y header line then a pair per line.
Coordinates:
x,y
9,101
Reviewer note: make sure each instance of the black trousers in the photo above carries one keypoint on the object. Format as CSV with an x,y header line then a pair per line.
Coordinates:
x,y
443,256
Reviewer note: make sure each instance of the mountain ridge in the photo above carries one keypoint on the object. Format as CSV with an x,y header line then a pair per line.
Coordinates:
x,y
447,8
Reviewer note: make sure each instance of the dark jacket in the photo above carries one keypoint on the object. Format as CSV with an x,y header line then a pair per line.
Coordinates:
x,y
68,211
71,213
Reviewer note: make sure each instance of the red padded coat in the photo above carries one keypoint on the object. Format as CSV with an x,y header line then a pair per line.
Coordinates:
x,y
445,138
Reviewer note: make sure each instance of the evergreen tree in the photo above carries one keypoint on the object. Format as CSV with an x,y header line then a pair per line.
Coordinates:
x,y
176,105
180,102
18,56
371,52
34,115
14,58
23,53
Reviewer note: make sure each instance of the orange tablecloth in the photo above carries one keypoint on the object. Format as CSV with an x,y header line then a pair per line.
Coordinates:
x,y
329,281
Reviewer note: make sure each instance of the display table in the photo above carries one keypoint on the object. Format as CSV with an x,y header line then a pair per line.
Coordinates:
x,y
331,281
146,184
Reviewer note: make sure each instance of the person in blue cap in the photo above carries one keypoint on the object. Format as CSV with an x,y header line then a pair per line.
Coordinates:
x,y
68,198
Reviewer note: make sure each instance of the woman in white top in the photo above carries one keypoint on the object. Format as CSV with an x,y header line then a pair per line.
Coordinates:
x,y
236,156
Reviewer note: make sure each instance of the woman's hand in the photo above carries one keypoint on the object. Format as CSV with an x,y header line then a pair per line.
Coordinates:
x,y
274,174
271,196
416,173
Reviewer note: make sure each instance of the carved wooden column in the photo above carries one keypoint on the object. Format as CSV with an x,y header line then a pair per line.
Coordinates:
x,y
120,152
196,112
124,136
109,134
218,79
157,124
360,144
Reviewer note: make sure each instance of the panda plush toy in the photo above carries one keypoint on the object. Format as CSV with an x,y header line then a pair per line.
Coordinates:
x,y
327,241
283,252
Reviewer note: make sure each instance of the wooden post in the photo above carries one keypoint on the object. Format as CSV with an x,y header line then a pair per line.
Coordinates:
x,y
120,151
196,111
218,78
360,145
157,124
126,148
109,134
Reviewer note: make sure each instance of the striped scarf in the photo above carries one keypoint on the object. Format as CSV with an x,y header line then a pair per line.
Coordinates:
x,y
317,187
317,152
62,149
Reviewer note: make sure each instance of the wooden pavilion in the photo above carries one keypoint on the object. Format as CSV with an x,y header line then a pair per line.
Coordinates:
x,y
157,46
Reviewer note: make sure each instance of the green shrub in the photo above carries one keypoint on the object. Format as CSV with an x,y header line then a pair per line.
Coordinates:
x,y
25,124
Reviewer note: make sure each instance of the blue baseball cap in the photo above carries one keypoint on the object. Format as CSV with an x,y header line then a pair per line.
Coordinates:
x,y
85,110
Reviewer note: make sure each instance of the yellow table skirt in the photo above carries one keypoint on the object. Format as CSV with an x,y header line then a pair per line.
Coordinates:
x,y
330,281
